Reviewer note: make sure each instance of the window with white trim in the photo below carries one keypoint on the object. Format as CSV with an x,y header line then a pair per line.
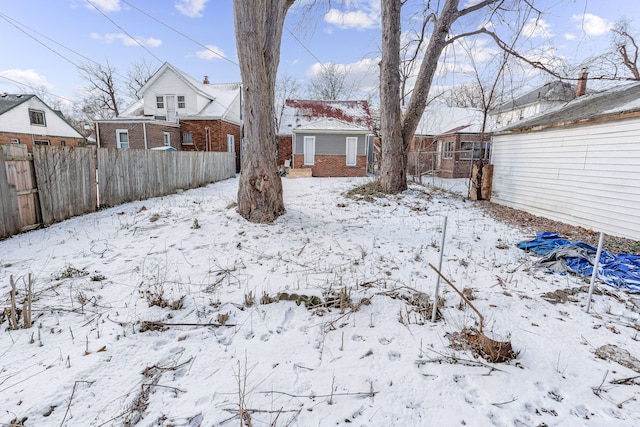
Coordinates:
x,y
122,138
352,149
42,142
447,153
309,150
231,144
15,140
36,117
181,101
166,136
160,102
187,138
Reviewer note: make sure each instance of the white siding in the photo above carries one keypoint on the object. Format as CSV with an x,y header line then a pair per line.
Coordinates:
x,y
170,84
585,175
17,120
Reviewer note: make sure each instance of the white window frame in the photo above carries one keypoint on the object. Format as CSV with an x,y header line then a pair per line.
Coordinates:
x,y
181,100
160,102
353,140
187,138
231,144
119,143
35,114
309,150
15,140
166,137
41,142
447,149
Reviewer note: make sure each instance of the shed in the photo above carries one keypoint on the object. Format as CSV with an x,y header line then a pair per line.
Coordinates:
x,y
578,163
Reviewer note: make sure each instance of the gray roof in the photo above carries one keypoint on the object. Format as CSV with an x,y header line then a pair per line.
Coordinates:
x,y
9,101
555,91
618,100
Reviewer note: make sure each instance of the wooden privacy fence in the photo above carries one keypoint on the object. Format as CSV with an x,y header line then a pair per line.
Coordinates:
x,y
127,175
19,207
74,181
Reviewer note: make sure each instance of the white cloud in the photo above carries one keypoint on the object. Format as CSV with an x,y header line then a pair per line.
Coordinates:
x,y
105,5
363,19
363,75
191,8
591,24
536,28
126,40
569,36
211,53
27,78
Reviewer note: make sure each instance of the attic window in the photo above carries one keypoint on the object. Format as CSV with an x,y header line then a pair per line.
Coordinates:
x,y
181,103
159,102
36,117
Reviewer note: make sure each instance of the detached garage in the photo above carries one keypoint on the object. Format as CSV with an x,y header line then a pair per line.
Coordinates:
x,y
578,164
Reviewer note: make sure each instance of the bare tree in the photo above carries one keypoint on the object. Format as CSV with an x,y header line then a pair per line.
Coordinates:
x,y
626,46
331,84
102,99
397,131
259,25
287,87
139,74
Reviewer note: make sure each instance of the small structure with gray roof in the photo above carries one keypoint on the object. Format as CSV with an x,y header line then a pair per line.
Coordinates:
x,y
578,163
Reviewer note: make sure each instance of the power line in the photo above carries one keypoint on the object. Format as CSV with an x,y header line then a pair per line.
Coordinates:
x,y
179,32
36,88
125,31
38,41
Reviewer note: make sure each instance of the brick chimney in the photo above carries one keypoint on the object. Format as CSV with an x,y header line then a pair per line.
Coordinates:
x,y
582,83
206,80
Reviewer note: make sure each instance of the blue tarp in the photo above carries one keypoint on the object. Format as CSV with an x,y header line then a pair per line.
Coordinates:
x,y
561,255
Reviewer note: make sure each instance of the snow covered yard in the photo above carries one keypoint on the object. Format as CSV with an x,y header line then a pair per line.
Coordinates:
x,y
166,312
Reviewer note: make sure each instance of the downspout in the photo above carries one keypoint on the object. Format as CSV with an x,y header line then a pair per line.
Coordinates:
x,y
293,145
144,133
98,134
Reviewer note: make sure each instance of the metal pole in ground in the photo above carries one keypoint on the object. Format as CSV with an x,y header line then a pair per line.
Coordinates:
x,y
435,298
595,270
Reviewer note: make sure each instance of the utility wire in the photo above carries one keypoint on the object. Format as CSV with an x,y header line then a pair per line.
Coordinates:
x,y
38,41
179,32
125,31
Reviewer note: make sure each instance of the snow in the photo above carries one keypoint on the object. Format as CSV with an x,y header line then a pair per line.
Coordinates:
x,y
87,361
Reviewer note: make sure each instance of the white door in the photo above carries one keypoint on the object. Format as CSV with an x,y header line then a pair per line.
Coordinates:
x,y
309,150
231,144
171,108
352,149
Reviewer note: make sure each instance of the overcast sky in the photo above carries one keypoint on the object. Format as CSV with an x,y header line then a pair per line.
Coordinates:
x,y
44,40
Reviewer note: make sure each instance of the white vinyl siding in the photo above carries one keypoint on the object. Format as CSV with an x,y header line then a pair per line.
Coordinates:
x,y
309,150
585,175
352,150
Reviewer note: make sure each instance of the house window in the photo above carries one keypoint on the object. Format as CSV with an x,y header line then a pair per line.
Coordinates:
x,y
63,143
36,117
231,144
160,102
122,138
167,139
352,147
181,103
187,138
15,140
468,148
309,150
41,142
448,150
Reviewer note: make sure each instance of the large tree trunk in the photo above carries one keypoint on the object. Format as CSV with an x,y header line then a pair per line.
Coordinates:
x,y
259,25
393,164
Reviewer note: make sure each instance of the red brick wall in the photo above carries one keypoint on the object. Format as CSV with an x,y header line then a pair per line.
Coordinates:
x,y
155,135
284,149
218,131
334,166
27,139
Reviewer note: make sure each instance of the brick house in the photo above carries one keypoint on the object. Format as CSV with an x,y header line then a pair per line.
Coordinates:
x,y
176,110
26,119
447,141
331,138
